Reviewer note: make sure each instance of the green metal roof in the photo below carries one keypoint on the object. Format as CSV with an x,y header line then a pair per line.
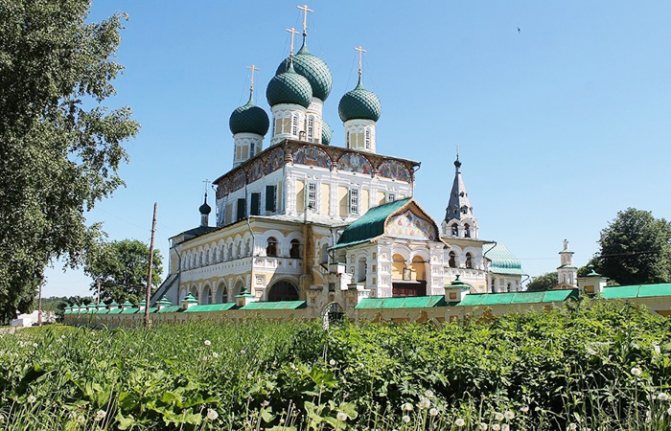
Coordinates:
x,y
327,133
637,291
210,307
130,310
370,225
277,305
503,261
401,302
289,87
170,309
487,299
359,104
314,69
249,118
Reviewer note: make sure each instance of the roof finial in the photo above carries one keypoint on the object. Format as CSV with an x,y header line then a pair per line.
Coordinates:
x,y
253,69
360,49
305,10
293,32
457,163
206,182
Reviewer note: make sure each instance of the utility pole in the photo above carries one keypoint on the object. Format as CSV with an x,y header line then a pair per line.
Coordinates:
x,y
147,322
39,305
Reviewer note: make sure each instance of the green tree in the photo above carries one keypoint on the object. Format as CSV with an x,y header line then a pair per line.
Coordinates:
x,y
61,147
121,268
636,248
543,282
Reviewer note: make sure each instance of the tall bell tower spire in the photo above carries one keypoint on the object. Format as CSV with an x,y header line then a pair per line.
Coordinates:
x,y
459,222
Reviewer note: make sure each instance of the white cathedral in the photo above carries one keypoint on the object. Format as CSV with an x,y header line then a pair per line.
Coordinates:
x,y
307,223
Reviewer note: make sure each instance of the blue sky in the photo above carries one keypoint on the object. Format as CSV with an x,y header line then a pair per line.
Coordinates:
x,y
560,124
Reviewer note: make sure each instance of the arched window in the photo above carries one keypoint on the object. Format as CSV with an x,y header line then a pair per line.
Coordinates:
x,y
469,261
467,230
455,229
295,250
367,139
282,291
229,255
271,248
453,260
324,255
362,268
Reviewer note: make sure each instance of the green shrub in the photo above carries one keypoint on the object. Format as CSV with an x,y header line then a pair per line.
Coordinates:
x,y
575,367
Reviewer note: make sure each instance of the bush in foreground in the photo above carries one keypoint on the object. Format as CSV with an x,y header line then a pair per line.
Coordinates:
x,y
599,366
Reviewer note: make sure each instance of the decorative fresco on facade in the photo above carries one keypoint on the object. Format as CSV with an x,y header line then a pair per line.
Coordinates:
x,y
311,155
409,225
395,170
354,162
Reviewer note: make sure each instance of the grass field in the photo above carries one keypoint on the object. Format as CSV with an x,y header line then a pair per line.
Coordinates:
x,y
598,366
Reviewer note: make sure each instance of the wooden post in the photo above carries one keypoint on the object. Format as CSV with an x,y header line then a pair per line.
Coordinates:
x,y
147,321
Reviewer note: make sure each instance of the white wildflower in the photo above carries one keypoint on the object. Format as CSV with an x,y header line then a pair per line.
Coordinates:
x,y
499,416
406,418
265,403
100,415
668,411
332,362
81,420
483,426
656,348
496,427
208,343
424,403
572,427
406,407
34,344
212,414
433,412
505,427
509,415
342,416
31,399
636,372
591,351
663,396
524,409
460,422
429,393
2,418
215,355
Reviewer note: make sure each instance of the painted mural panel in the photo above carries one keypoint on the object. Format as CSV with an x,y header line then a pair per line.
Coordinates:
x,y
409,225
353,162
395,170
312,156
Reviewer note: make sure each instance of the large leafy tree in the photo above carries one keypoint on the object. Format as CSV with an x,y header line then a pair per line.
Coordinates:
x,y
120,267
636,248
543,282
60,146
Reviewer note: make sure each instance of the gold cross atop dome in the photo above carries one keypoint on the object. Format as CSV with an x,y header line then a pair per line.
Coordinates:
x,y
293,32
360,49
305,10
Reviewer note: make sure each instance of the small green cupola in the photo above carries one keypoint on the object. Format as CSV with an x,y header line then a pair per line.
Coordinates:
x,y
359,104
249,118
327,133
360,109
289,88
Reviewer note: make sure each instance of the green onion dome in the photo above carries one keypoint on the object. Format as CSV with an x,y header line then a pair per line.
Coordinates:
x,y
359,104
289,87
314,69
327,133
249,118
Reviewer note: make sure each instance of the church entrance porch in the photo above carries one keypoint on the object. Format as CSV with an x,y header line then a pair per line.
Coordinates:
x,y
408,288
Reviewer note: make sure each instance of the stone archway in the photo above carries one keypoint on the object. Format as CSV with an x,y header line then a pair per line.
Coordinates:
x,y
332,313
283,291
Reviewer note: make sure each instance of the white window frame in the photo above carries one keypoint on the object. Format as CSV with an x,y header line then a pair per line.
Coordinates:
x,y
294,124
311,128
391,197
354,201
311,195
